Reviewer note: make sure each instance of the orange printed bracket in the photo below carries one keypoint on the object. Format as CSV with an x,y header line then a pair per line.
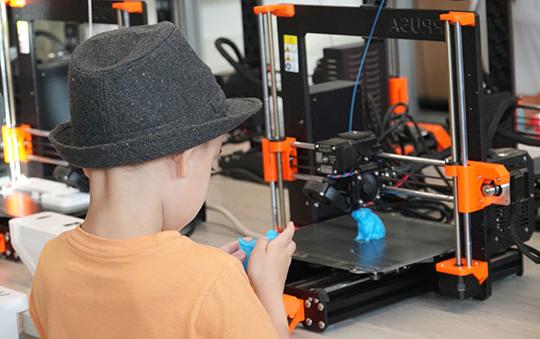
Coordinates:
x,y
129,6
23,139
464,18
289,162
280,10
470,180
294,307
478,268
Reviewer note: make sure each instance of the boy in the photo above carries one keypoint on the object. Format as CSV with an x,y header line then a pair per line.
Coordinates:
x,y
146,125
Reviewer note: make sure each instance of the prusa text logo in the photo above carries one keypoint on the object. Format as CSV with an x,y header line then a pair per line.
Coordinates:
x,y
415,25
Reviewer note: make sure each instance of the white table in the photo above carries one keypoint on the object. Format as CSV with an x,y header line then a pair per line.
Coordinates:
x,y
512,312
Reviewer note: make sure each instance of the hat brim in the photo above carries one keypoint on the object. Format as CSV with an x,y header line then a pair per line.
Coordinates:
x,y
153,144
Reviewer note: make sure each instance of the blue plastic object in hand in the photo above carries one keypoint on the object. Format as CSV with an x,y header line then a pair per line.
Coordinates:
x,y
248,245
370,226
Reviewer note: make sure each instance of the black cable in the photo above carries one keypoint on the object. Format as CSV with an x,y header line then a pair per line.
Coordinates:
x,y
52,38
516,137
238,65
528,251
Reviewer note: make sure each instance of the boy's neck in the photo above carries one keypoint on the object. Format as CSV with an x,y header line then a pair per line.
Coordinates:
x,y
122,212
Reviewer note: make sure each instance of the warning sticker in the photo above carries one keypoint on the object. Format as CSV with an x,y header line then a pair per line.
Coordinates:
x,y
290,44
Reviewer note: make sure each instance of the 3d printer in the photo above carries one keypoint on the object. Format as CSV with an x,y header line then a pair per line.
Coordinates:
x,y
334,277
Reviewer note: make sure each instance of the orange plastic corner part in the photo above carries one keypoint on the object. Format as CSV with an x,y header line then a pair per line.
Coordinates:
x,y
470,180
464,18
15,3
294,307
442,138
280,10
16,139
398,92
2,243
129,6
478,268
289,161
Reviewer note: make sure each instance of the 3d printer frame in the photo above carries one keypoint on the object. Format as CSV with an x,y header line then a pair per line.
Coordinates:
x,y
20,30
323,288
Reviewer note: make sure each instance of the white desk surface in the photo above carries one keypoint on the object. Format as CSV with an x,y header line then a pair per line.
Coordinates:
x,y
513,311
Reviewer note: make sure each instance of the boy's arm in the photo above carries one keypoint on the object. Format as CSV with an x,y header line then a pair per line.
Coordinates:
x,y
232,310
276,310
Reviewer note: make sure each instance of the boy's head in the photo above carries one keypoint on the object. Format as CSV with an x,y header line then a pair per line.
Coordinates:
x,y
141,101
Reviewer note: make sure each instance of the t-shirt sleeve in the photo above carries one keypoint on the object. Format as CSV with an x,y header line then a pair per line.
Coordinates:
x,y
232,310
35,316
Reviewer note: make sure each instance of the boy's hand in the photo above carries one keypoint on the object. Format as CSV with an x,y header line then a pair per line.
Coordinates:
x,y
269,264
233,249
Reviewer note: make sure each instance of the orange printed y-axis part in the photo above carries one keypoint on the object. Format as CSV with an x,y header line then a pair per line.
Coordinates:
x,y
280,10
463,18
129,6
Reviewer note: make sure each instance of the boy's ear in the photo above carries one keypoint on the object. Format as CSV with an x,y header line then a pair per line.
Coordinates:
x,y
86,173
182,161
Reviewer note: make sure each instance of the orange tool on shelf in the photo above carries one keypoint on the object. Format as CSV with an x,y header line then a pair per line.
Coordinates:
x,y
289,161
471,179
464,18
294,307
129,6
281,10
398,92
23,140
478,268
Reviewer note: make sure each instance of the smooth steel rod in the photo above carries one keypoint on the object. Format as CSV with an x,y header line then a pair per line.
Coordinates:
x,y
276,130
46,160
453,135
38,132
422,194
308,177
266,107
8,92
419,160
304,145
462,110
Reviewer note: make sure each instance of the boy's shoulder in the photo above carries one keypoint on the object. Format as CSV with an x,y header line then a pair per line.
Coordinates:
x,y
210,256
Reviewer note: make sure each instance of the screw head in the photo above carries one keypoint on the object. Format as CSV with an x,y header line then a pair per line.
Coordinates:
x,y
308,322
320,307
322,325
307,303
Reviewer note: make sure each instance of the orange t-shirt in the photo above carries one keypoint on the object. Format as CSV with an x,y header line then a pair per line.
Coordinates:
x,y
157,286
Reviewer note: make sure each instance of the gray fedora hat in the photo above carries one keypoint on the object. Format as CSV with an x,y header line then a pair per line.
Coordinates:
x,y
141,93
